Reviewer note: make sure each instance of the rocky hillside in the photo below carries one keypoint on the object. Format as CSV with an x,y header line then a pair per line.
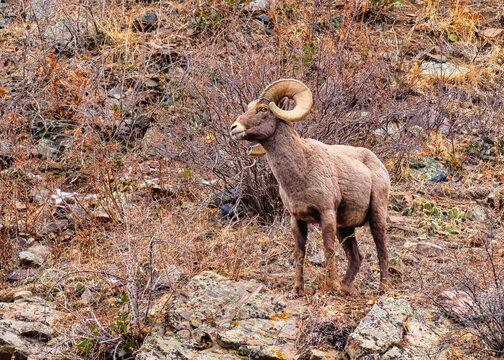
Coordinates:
x,y
132,226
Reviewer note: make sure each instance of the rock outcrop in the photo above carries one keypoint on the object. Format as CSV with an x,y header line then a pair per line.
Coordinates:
x,y
35,255
27,327
217,318
394,330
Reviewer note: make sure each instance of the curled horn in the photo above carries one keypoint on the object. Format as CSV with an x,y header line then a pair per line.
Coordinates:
x,y
291,88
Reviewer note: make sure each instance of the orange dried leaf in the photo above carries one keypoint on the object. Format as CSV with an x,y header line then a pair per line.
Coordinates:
x,y
408,198
78,134
492,32
209,137
396,218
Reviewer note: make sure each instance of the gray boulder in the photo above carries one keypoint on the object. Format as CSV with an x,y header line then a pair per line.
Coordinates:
x,y
477,213
146,22
6,157
26,328
254,6
217,318
422,339
35,255
445,70
20,274
48,149
427,168
380,329
394,330
8,12
65,32
167,278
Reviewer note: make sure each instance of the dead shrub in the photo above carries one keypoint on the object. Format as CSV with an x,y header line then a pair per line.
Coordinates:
x,y
476,300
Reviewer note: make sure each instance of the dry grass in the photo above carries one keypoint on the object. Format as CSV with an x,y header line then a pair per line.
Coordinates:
x,y
361,65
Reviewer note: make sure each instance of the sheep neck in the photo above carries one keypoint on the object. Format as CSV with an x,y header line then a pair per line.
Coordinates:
x,y
286,158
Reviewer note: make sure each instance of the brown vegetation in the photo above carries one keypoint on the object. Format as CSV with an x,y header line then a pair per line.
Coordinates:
x,y
133,124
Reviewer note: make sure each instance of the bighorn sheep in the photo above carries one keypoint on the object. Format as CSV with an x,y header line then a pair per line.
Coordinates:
x,y
339,187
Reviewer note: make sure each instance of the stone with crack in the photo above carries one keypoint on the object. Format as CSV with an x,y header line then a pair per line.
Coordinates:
x,y
224,319
380,329
27,328
35,255
395,330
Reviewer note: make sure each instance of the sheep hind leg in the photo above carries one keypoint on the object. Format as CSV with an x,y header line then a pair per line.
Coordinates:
x,y
377,223
346,237
300,232
328,224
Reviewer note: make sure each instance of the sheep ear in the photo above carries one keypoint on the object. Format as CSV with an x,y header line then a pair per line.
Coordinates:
x,y
256,150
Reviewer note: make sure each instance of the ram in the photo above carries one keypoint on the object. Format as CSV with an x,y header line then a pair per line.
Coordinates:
x,y
339,187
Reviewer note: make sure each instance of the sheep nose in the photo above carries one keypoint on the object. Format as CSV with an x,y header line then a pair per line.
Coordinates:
x,y
233,127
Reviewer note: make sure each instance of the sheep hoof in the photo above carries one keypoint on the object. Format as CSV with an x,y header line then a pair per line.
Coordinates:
x,y
347,289
334,287
382,289
298,291
291,295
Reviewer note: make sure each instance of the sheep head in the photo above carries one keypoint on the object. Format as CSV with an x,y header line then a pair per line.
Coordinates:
x,y
260,120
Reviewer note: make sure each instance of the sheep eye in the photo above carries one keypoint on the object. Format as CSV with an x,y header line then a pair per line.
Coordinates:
x,y
263,109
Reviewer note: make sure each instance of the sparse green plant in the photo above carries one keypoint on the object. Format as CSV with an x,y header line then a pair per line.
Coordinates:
x,y
87,344
205,19
386,4
308,53
452,37
438,220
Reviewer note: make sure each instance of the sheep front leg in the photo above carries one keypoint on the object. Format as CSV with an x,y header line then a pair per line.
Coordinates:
x,y
328,223
300,231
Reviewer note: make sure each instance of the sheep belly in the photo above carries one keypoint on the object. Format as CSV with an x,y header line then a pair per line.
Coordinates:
x,y
299,209
351,214
308,214
352,211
